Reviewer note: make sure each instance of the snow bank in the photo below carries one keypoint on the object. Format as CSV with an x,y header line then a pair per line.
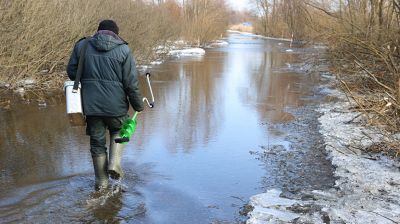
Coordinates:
x,y
171,50
369,185
188,52
367,189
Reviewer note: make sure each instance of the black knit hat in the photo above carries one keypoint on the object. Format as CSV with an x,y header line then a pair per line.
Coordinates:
x,y
108,25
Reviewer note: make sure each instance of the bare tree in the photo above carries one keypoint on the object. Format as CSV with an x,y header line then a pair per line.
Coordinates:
x,y
204,20
282,17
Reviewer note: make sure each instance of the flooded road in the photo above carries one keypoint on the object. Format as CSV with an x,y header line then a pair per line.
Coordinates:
x,y
193,158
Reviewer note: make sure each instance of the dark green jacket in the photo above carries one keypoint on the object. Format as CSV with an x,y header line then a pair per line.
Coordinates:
x,y
109,76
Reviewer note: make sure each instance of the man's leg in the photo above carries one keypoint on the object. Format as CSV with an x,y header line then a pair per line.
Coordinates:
x,y
96,129
116,149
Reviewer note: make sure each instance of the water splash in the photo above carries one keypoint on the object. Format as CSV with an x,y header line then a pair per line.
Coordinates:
x,y
100,198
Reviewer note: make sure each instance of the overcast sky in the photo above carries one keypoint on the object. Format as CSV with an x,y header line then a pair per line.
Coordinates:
x,y
239,4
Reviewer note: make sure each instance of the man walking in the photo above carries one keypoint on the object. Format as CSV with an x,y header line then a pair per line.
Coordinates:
x,y
109,80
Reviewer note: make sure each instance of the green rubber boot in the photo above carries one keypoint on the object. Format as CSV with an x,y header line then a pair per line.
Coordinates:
x,y
100,172
115,155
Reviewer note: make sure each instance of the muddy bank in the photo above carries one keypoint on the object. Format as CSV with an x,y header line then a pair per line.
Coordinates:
x,y
366,189
302,163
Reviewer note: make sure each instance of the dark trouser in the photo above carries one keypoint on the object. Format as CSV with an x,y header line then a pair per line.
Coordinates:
x,y
96,129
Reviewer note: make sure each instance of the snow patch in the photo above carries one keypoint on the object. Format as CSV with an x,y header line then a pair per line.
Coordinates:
x,y
162,49
180,42
328,91
188,52
143,68
158,62
20,91
218,43
4,85
27,83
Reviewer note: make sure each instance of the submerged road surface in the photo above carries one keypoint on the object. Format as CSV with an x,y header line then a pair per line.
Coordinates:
x,y
195,158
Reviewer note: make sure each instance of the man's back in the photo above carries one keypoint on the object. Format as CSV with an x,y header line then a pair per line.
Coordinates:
x,y
109,76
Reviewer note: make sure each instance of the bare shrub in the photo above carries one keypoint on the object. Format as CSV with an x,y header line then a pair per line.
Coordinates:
x,y
363,37
282,18
364,52
38,36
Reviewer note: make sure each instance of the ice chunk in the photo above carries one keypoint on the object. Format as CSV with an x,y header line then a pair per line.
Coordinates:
x,y
270,207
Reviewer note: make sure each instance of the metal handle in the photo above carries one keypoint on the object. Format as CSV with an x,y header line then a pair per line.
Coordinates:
x,y
150,104
121,140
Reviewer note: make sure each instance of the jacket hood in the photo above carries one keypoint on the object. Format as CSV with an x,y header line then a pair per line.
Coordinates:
x,y
104,41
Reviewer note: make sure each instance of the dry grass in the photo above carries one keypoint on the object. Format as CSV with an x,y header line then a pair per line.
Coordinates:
x,y
38,36
242,28
369,73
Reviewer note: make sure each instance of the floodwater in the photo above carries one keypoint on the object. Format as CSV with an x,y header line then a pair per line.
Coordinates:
x,y
190,160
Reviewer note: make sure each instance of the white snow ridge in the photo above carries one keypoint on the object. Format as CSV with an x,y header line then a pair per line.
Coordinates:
x,y
367,189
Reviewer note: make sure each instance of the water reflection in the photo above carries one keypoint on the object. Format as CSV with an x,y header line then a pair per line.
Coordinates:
x,y
271,92
187,112
30,143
